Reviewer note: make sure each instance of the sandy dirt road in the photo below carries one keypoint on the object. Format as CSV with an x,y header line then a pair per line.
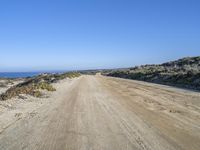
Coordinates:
x,y
101,113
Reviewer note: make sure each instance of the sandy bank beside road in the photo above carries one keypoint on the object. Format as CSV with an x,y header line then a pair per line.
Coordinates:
x,y
17,108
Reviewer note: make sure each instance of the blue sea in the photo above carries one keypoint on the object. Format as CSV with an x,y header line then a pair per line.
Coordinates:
x,y
18,74
23,74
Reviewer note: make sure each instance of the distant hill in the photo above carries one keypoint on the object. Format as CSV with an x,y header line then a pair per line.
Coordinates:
x,y
184,73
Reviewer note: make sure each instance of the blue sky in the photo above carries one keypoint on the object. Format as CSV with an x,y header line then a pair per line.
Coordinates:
x,y
87,34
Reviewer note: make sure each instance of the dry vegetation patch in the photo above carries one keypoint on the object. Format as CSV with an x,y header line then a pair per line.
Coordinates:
x,y
34,85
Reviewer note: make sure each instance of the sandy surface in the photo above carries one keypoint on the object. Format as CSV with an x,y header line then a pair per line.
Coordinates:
x,y
6,84
101,113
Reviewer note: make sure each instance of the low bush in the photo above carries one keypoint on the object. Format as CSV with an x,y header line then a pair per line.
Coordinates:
x,y
44,86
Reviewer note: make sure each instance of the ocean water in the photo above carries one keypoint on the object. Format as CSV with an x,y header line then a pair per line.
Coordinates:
x,y
18,74
27,74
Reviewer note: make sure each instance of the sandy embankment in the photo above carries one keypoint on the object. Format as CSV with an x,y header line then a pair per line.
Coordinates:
x,y
18,108
6,83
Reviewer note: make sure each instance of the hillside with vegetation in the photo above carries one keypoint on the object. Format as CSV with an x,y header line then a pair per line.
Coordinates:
x,y
34,85
184,73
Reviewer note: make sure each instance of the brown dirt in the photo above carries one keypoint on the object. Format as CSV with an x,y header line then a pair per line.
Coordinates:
x,y
102,113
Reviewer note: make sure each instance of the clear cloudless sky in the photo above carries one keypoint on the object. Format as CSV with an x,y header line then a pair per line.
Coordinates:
x,y
86,34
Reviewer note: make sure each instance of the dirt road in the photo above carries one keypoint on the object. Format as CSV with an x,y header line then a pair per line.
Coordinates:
x,y
101,113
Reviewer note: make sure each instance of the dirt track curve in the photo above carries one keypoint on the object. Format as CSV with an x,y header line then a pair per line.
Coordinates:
x,y
101,113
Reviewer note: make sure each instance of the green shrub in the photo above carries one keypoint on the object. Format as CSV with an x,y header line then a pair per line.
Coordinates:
x,y
45,86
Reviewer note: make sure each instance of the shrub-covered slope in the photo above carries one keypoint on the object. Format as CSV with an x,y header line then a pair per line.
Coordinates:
x,y
182,73
33,85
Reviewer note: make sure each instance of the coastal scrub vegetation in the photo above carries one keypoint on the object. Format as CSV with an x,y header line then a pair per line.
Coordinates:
x,y
34,85
184,73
